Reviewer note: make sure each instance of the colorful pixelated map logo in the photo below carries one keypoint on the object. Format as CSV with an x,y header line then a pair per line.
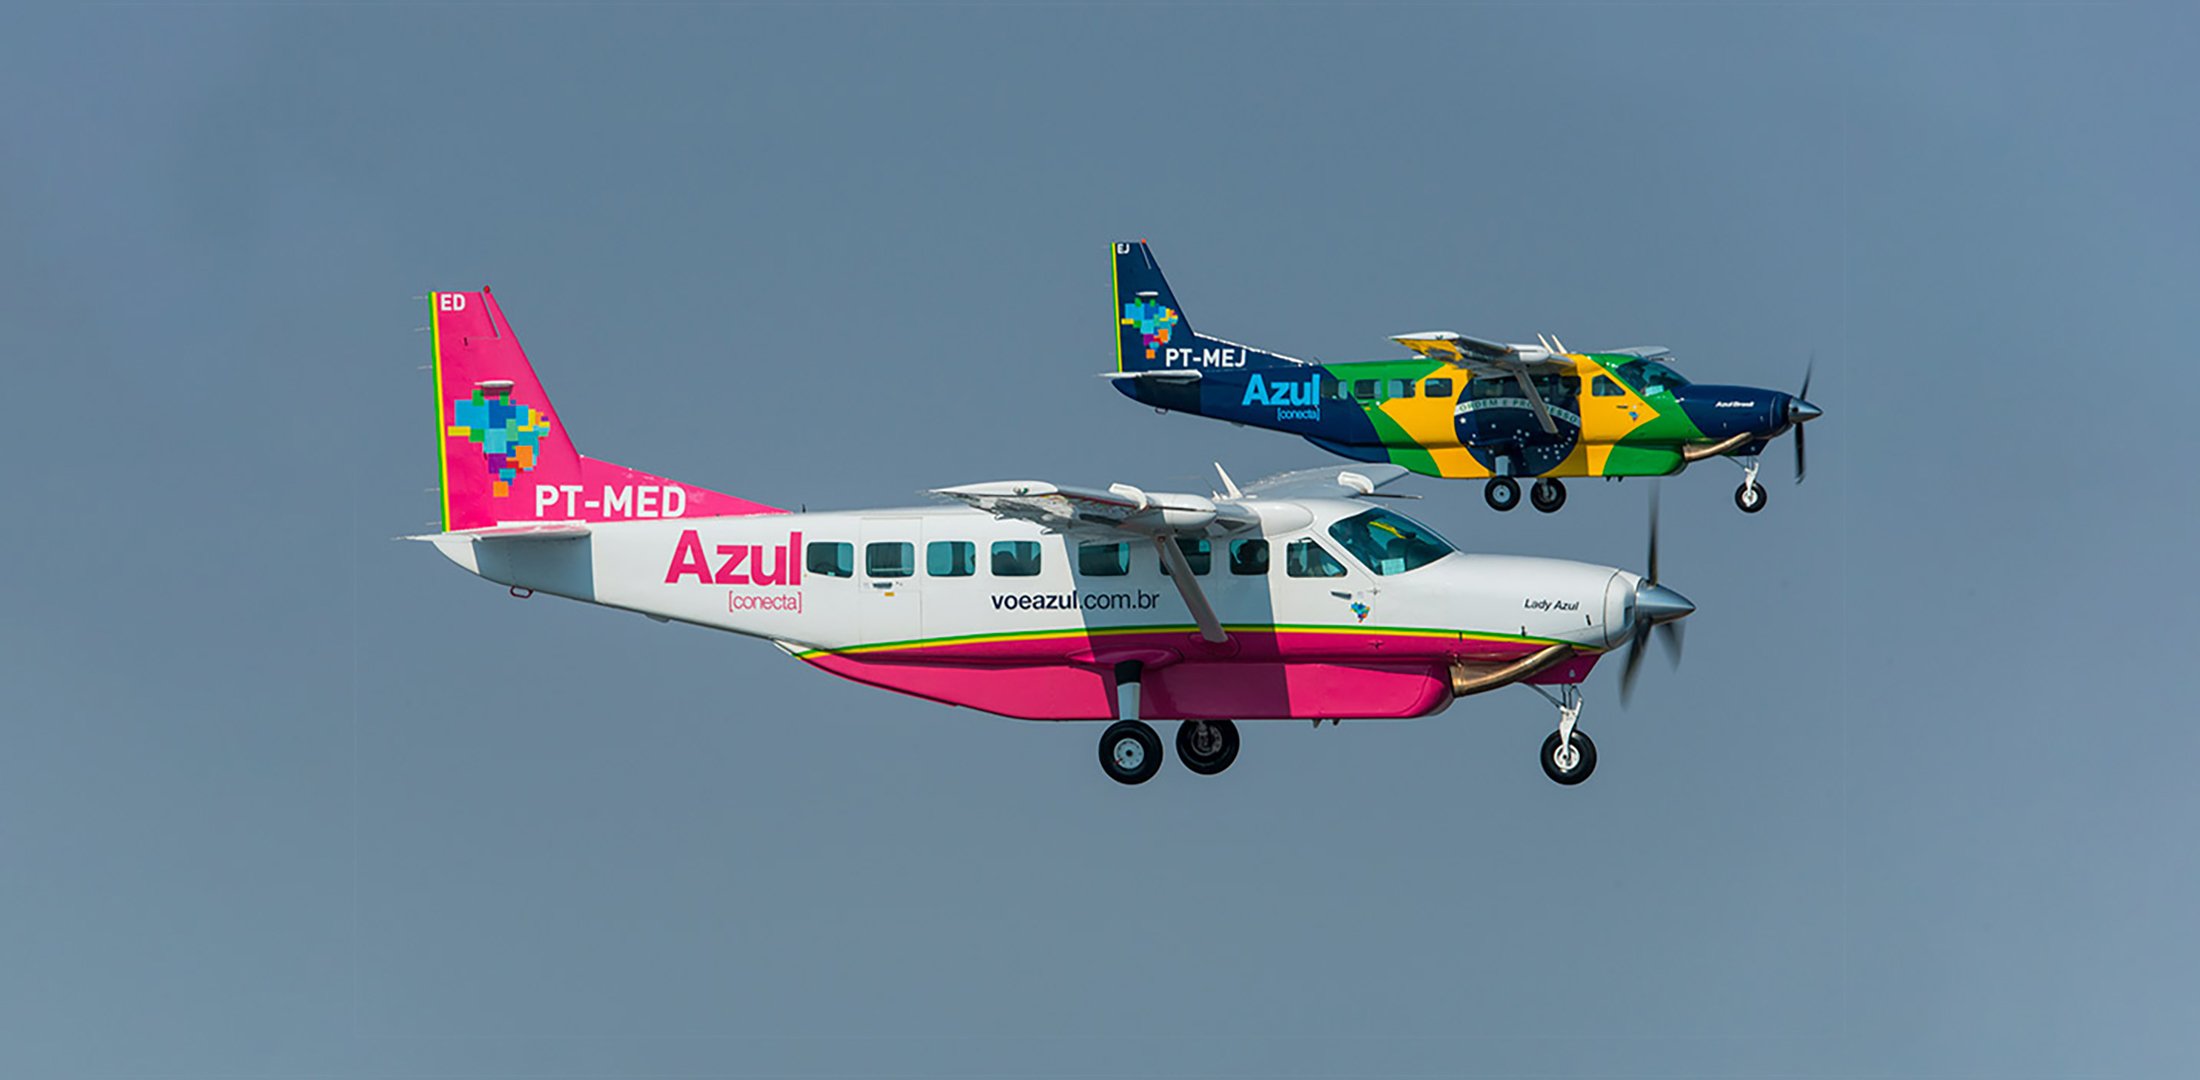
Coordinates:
x,y
1153,319
510,435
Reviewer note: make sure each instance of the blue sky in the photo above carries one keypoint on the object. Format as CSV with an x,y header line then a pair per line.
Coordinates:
x,y
280,796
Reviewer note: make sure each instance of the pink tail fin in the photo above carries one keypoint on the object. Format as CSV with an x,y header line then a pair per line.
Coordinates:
x,y
505,458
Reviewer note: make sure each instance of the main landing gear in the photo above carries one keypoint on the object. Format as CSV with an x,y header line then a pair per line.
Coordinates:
x,y
1130,752
1503,493
1751,495
1207,746
1568,755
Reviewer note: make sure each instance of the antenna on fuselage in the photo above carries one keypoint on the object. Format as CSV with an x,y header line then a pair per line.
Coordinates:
x,y
1229,486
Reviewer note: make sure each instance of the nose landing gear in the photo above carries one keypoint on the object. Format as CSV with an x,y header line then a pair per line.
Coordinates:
x,y
1568,755
1751,495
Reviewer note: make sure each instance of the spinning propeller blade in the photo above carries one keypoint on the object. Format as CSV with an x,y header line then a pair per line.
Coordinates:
x,y
1655,607
1672,634
1801,411
1632,665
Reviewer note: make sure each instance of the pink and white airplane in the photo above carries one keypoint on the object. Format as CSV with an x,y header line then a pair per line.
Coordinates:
x,y
1294,598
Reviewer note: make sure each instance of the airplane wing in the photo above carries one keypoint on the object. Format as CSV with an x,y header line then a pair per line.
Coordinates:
x,y
1454,347
1493,358
1330,482
1120,509
1060,507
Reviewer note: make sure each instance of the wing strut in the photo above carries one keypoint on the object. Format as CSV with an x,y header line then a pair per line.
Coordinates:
x,y
1180,572
1542,412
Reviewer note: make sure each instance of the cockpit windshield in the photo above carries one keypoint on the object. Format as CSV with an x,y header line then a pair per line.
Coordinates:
x,y
1647,377
1389,543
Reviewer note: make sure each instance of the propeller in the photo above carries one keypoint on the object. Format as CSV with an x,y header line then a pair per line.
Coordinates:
x,y
1656,607
1800,412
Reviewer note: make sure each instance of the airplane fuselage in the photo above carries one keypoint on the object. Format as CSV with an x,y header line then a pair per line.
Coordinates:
x,y
1439,420
963,607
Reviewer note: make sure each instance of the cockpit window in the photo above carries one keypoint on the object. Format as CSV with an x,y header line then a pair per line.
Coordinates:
x,y
1389,543
1305,558
1647,377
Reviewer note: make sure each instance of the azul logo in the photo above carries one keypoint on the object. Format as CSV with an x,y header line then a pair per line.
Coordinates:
x,y
1152,318
1284,395
1360,610
737,564
510,435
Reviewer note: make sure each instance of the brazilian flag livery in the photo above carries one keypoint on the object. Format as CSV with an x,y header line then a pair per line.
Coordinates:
x,y
1618,413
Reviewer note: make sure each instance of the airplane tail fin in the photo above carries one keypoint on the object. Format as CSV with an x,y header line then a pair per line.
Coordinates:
x,y
1151,332
505,458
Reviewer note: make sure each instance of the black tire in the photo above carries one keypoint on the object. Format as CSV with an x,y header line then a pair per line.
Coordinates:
x,y
1582,768
1547,495
1750,497
1123,763
1501,493
1223,736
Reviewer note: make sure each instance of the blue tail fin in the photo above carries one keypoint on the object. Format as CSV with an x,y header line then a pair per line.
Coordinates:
x,y
1151,332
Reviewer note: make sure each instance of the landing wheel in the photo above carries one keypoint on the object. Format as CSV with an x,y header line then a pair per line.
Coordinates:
x,y
1547,495
1206,746
1750,497
1501,493
1571,764
1130,753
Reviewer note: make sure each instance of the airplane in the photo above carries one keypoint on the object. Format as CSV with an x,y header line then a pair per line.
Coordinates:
x,y
1301,597
1461,407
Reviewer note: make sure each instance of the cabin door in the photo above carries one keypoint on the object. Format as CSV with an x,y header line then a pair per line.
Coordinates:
x,y
887,576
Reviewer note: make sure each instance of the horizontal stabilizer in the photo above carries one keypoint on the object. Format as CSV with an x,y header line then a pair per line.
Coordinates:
x,y
1153,376
544,530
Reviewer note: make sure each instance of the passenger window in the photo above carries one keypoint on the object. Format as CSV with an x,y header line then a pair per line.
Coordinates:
x,y
890,559
1199,553
1335,390
1103,560
1605,387
1015,558
1249,558
1364,389
950,558
1401,388
828,559
1305,558
1437,388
